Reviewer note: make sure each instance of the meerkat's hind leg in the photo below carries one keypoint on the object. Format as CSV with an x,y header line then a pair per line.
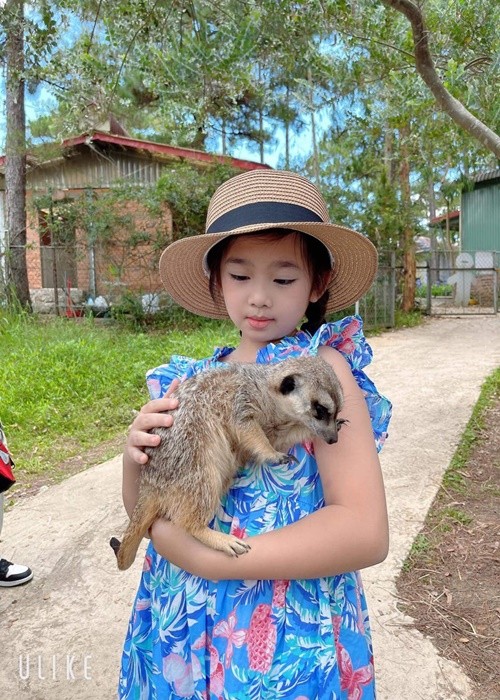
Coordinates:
x,y
229,544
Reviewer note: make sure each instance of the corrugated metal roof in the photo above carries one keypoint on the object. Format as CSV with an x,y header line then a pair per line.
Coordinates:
x,y
488,175
451,216
159,150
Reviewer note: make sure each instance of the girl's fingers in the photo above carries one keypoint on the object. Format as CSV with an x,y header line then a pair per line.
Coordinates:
x,y
148,421
137,455
160,405
140,439
152,415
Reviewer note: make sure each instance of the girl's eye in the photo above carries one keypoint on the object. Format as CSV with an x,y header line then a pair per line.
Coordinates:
x,y
238,278
284,282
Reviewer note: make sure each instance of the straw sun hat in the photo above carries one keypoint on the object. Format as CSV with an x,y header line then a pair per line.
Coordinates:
x,y
266,199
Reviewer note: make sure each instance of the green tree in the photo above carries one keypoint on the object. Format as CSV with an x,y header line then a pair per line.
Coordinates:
x,y
15,152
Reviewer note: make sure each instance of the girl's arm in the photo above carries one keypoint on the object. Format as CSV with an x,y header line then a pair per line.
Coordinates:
x,y
150,416
350,532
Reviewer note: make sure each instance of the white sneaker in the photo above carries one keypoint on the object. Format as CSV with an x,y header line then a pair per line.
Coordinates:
x,y
13,574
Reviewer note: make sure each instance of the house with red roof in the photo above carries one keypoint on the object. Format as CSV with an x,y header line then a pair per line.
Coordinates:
x,y
87,166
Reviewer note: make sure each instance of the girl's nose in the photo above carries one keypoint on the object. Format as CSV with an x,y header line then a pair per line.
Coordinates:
x,y
259,297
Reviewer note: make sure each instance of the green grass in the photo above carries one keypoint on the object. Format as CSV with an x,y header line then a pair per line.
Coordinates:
x,y
442,516
490,391
67,386
421,545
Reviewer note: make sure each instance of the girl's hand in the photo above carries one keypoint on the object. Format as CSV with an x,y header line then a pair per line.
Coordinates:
x,y
152,415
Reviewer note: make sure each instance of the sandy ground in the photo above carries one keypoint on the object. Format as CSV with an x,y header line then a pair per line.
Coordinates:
x,y
61,634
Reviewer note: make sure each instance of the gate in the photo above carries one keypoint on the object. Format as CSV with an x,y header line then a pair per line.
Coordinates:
x,y
465,283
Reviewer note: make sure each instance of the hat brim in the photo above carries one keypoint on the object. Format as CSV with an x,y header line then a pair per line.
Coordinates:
x,y
354,269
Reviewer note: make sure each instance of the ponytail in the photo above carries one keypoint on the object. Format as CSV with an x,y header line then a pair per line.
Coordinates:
x,y
316,314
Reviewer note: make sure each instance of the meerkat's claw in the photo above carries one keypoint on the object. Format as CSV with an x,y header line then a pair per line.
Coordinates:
x,y
239,547
229,544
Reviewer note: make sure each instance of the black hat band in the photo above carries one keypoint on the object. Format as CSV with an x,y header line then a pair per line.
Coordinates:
x,y
263,213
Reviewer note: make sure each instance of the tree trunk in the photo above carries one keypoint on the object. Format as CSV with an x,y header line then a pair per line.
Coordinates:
x,y
313,128
425,67
261,122
287,131
408,244
15,154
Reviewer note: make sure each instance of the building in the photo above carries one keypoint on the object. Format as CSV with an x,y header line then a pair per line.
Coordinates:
x,y
63,256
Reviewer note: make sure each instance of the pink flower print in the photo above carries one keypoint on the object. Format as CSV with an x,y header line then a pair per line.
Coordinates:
x,y
360,623
235,638
351,680
351,328
179,673
201,642
346,346
217,680
146,566
261,639
336,622
309,447
143,604
279,593
236,530
216,667
154,387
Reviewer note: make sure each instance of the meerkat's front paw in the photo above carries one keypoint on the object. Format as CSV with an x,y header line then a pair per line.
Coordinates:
x,y
236,547
229,544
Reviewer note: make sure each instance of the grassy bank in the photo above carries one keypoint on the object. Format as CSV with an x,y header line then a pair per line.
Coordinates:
x,y
69,386
66,387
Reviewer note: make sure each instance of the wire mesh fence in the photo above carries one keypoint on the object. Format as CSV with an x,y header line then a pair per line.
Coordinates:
x,y
77,277
464,283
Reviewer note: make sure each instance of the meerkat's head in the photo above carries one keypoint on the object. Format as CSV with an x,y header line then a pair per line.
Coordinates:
x,y
311,393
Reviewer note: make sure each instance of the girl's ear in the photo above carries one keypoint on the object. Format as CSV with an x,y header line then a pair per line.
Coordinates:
x,y
318,293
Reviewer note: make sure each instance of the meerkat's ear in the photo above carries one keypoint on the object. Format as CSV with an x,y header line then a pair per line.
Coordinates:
x,y
287,384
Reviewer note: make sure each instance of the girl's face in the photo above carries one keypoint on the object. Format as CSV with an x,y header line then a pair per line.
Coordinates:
x,y
266,287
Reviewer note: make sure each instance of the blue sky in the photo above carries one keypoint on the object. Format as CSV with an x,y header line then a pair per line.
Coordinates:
x,y
300,144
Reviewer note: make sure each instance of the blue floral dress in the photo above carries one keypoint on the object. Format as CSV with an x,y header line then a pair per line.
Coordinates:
x,y
256,640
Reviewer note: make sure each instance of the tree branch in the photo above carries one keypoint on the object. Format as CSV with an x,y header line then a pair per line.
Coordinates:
x,y
426,68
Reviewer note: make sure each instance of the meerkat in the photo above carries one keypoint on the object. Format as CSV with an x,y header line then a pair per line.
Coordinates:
x,y
227,417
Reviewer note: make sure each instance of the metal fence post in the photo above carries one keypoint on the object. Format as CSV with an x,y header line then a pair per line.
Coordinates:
x,y
393,289
495,290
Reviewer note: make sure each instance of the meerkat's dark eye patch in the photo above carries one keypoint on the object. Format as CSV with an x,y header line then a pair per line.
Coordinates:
x,y
320,412
288,384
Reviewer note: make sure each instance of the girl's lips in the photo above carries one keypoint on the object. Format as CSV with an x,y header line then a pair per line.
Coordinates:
x,y
258,323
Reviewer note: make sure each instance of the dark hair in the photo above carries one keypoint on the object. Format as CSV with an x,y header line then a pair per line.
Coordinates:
x,y
315,255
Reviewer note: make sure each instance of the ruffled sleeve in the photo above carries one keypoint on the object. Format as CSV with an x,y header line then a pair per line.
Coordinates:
x,y
159,379
348,338
180,367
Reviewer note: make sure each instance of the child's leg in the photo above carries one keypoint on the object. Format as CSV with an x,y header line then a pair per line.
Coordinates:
x,y
1,512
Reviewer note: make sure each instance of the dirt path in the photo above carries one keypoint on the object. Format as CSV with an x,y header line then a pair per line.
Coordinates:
x,y
62,634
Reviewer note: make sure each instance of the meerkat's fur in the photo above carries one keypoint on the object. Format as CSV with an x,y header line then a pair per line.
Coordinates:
x,y
226,417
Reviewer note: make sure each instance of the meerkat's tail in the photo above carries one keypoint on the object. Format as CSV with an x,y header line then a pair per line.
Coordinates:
x,y
144,515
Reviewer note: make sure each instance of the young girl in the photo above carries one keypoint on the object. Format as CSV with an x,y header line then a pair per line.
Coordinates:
x,y
288,619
